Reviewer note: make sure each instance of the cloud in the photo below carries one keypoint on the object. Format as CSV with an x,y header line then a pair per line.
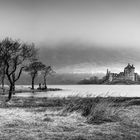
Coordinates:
x,y
73,56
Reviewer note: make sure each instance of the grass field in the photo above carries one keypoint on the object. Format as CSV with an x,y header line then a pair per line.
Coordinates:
x,y
71,118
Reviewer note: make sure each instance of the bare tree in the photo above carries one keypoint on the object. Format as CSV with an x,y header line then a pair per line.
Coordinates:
x,y
45,72
33,70
15,55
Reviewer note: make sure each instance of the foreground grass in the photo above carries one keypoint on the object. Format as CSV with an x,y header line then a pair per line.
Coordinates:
x,y
71,118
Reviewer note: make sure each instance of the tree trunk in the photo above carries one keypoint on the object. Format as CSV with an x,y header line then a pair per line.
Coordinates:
x,y
13,89
13,84
45,84
2,82
10,92
3,78
33,82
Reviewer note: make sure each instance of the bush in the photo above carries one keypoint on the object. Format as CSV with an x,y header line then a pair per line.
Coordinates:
x,y
97,109
104,111
82,105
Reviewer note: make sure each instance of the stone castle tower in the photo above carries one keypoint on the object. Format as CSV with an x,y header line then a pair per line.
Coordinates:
x,y
129,72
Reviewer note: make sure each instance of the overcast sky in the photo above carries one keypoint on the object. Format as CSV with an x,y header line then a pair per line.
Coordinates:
x,y
77,35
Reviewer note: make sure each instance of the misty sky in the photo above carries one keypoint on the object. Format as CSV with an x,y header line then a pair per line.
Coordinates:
x,y
77,35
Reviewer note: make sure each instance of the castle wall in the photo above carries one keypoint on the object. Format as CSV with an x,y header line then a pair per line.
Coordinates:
x,y
136,77
128,74
110,77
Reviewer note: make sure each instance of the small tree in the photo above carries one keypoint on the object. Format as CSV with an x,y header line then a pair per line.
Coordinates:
x,y
14,55
45,72
33,70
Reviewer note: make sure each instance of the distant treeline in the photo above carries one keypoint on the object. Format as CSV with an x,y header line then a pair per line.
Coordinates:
x,y
104,80
93,80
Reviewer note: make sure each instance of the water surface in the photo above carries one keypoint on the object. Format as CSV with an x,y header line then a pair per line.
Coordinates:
x,y
86,90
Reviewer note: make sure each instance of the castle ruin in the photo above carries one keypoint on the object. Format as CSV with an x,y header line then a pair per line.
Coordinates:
x,y
128,74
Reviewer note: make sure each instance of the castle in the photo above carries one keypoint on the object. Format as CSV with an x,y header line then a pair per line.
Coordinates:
x,y
128,74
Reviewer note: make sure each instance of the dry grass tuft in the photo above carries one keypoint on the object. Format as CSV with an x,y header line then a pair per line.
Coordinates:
x,y
47,119
104,111
79,137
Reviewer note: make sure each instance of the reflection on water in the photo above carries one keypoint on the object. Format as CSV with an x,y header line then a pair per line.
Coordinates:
x,y
86,90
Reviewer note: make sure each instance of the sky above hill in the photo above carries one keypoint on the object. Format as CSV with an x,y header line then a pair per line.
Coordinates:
x,y
77,36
